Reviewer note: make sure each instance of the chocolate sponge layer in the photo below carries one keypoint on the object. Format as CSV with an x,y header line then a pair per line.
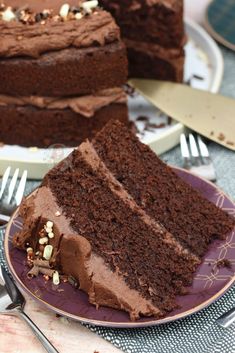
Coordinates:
x,y
156,21
30,126
65,72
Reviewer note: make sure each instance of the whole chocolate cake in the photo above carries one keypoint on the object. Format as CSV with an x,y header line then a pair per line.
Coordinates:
x,y
61,71
117,219
153,31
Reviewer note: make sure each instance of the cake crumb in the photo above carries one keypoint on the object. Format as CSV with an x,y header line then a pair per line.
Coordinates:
x,y
224,263
230,143
142,118
198,77
221,137
130,91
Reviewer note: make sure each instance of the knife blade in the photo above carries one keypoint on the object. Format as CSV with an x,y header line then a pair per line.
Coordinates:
x,y
211,115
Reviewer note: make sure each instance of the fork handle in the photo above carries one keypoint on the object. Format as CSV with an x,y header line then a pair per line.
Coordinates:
x,y
38,333
227,319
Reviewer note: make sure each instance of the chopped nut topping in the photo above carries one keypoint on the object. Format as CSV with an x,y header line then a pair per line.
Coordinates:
x,y
57,214
47,252
78,16
29,250
51,235
8,15
43,241
24,15
88,6
56,278
64,11
48,230
49,224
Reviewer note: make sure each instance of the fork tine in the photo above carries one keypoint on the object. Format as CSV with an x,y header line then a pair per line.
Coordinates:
x,y
4,180
21,187
184,146
12,185
203,148
193,146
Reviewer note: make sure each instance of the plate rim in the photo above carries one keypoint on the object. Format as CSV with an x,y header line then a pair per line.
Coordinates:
x,y
161,144
217,36
130,324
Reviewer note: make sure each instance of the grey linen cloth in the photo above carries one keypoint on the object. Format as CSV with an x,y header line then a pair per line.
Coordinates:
x,y
199,332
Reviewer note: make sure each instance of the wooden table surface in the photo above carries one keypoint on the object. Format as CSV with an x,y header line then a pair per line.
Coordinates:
x,y
66,335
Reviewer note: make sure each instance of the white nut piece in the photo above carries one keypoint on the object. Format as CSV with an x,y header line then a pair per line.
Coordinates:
x,y
48,230
29,249
43,240
57,214
64,11
56,278
49,224
51,235
47,252
89,5
78,16
8,15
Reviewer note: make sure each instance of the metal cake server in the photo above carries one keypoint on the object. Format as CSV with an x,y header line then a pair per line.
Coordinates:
x,y
211,115
12,303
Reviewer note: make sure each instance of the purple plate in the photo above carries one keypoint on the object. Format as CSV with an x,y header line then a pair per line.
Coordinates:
x,y
210,282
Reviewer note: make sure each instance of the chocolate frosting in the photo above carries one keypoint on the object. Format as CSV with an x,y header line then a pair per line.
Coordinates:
x,y
103,286
84,105
17,39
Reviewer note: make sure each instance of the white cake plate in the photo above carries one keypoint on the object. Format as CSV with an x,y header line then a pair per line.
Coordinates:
x,y
203,69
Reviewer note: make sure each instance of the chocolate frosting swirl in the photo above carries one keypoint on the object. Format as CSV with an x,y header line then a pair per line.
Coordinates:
x,y
17,39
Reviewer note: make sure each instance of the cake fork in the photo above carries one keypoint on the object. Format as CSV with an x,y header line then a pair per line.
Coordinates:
x,y
12,303
196,157
11,196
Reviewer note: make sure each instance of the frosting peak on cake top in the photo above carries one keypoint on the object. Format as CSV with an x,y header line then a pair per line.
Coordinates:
x,y
29,36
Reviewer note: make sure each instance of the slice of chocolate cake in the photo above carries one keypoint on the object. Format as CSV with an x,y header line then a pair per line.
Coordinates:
x,y
193,220
55,59
106,214
153,32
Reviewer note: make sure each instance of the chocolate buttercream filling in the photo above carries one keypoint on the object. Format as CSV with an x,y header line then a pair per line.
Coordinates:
x,y
84,105
174,56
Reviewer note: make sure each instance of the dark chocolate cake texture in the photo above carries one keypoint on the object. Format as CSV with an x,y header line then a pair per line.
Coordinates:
x,y
62,68
51,51
117,219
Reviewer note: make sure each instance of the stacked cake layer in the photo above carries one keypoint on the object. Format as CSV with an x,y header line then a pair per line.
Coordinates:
x,y
61,72
122,223
154,35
